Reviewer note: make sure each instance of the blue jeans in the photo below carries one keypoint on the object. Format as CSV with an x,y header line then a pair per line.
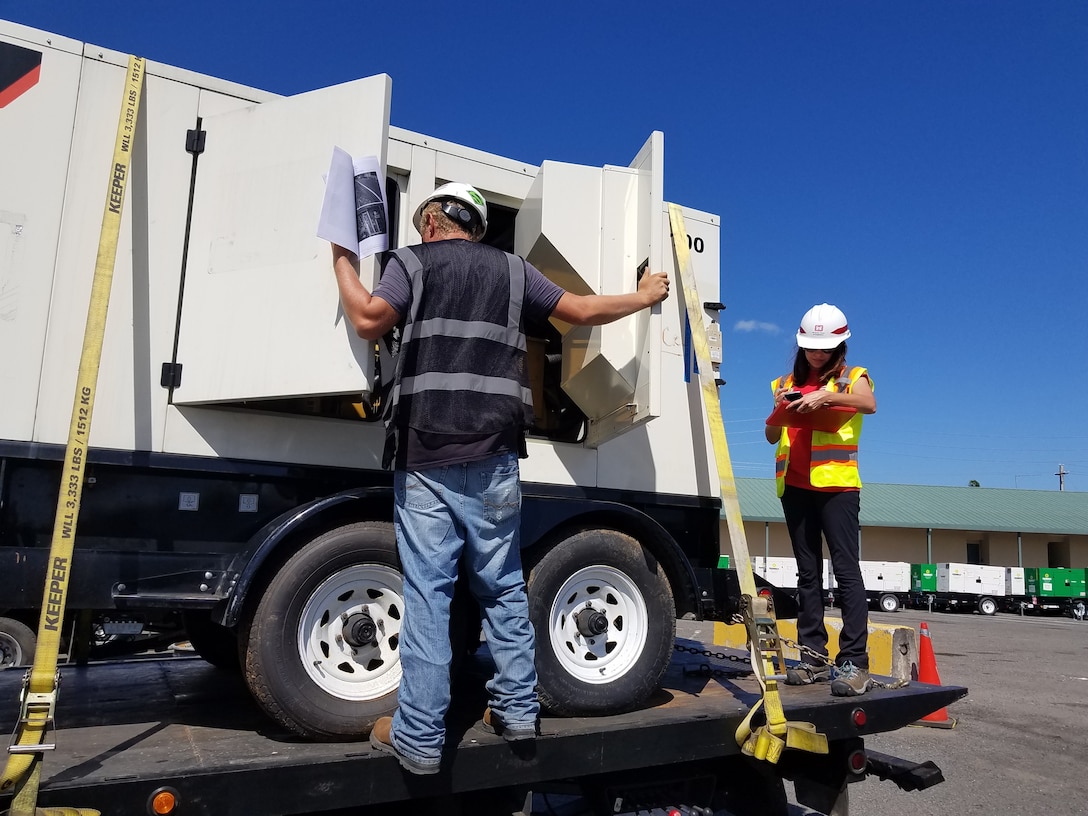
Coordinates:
x,y
474,509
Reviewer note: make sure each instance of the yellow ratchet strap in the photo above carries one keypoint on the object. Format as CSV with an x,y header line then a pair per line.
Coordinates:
x,y
765,741
39,697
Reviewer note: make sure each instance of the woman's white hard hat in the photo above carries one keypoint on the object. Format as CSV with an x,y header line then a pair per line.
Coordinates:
x,y
464,193
823,327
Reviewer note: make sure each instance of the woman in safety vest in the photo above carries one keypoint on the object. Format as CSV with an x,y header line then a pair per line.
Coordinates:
x,y
816,473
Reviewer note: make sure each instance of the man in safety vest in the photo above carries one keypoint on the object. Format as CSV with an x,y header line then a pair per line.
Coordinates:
x,y
455,419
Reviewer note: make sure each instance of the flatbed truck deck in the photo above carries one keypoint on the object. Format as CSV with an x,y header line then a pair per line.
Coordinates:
x,y
128,729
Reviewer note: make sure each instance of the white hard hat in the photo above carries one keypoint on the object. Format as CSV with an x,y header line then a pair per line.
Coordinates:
x,y
455,191
822,327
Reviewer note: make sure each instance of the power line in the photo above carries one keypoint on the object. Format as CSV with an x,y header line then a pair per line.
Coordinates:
x,y
1065,438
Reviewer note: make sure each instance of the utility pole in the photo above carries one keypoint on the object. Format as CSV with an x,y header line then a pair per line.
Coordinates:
x,y
1061,477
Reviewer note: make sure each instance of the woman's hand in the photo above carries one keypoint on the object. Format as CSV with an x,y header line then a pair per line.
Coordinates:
x,y
813,401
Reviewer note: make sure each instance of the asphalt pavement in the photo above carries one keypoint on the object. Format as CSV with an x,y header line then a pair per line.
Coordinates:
x,y
1020,743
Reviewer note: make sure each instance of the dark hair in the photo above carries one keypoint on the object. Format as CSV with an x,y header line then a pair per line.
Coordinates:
x,y
836,363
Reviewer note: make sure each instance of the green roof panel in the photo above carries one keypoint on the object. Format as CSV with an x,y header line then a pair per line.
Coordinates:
x,y
950,508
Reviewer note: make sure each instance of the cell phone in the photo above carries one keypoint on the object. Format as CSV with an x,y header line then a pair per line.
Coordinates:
x,y
792,395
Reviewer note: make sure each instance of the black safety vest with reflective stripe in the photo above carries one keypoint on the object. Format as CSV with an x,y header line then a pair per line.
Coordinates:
x,y
462,365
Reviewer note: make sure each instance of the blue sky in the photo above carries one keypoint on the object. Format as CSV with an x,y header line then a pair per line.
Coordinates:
x,y
923,165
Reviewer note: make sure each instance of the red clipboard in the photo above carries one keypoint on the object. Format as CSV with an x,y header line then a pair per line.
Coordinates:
x,y
828,419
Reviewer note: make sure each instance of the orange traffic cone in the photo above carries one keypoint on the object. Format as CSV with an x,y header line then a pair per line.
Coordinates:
x,y
927,673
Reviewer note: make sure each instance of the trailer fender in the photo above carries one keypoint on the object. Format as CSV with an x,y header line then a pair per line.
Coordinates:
x,y
360,504
542,519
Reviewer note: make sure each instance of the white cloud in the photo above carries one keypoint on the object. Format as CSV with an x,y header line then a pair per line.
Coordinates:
x,y
756,326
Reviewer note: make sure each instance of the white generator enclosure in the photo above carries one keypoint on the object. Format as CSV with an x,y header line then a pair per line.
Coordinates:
x,y
233,484
609,371
1014,581
971,579
759,565
225,337
781,571
259,316
886,576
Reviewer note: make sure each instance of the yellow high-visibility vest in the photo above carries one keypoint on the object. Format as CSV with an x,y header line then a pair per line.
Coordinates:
x,y
834,460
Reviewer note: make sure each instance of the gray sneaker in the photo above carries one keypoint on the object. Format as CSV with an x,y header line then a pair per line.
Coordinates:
x,y
805,674
850,681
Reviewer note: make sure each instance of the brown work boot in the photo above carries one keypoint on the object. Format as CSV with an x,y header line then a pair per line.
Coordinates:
x,y
850,681
515,733
381,739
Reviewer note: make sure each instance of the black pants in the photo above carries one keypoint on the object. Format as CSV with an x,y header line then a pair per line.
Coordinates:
x,y
811,517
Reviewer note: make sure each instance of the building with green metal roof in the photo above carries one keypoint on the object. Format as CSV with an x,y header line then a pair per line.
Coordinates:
x,y
927,524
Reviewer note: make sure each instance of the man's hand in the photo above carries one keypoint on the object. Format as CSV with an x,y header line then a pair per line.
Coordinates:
x,y
654,287
596,310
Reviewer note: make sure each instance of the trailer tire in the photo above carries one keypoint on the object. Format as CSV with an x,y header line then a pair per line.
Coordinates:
x,y
216,644
987,605
889,602
615,576
299,665
17,643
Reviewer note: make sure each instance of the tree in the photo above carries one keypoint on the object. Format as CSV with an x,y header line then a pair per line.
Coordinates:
x,y
973,483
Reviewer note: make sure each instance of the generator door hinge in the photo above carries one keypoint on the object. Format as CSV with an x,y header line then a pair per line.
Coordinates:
x,y
194,141
171,375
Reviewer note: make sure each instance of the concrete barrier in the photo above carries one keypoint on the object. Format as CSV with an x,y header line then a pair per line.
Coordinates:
x,y
893,650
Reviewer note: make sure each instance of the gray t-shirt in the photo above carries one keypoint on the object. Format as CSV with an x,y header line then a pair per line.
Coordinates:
x,y
541,294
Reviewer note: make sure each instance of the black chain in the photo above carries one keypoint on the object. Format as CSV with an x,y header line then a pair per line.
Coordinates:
x,y
706,669
817,658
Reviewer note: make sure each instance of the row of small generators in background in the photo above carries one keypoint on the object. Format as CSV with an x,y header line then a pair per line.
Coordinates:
x,y
890,585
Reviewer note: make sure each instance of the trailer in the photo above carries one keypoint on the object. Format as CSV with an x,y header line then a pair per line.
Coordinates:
x,y
1031,590
189,733
233,474
958,587
1047,590
888,584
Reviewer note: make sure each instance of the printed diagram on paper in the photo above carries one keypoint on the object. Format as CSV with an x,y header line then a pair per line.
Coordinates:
x,y
353,212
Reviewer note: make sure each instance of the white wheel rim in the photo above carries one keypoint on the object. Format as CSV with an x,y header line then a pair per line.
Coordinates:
x,y
609,656
334,665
